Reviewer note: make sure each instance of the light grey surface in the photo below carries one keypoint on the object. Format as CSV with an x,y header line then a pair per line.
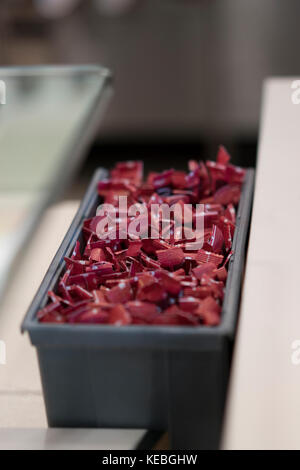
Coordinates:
x,y
264,400
69,439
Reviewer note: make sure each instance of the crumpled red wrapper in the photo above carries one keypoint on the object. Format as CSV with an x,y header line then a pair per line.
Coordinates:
x,y
159,281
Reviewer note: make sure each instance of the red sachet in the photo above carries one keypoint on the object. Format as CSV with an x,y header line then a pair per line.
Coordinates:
x,y
151,272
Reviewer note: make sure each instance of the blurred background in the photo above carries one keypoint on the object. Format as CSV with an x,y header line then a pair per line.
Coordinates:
x,y
188,76
188,73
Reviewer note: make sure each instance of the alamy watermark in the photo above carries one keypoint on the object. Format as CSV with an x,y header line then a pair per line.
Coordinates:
x,y
157,221
2,353
295,96
2,92
295,355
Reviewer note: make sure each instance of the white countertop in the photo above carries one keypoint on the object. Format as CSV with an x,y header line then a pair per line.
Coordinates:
x,y
264,402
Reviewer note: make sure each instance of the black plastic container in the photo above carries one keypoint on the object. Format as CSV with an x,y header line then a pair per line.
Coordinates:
x,y
155,377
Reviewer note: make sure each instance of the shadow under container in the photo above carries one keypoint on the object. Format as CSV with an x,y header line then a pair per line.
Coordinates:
x,y
160,378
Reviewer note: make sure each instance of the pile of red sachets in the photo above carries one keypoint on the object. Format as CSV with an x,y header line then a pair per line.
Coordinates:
x,y
140,280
